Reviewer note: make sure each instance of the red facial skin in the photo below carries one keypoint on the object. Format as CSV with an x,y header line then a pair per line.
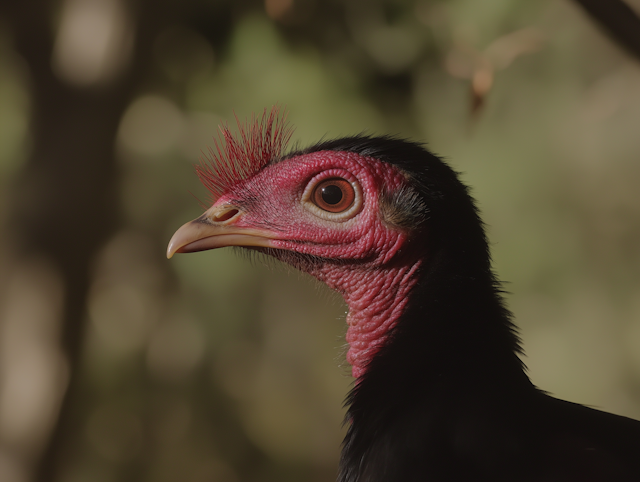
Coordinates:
x,y
361,254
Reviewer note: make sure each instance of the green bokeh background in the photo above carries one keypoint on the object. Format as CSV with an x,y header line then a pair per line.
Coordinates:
x,y
211,367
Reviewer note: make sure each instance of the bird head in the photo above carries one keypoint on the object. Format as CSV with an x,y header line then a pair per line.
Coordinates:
x,y
352,212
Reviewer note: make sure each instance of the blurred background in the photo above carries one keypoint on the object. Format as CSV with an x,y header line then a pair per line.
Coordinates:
x,y
119,365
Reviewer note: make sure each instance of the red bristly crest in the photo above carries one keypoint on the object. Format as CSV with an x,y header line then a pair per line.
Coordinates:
x,y
236,158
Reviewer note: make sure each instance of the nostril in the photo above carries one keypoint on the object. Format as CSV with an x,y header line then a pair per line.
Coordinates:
x,y
225,216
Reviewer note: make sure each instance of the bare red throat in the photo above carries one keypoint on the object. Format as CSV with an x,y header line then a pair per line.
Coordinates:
x,y
376,299
235,158
373,313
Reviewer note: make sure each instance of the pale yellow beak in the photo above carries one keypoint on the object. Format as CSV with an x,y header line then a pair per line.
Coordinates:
x,y
217,228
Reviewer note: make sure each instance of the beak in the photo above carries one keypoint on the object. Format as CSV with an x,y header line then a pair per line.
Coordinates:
x,y
216,228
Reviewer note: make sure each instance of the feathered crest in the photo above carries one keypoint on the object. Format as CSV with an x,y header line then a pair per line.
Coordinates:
x,y
234,158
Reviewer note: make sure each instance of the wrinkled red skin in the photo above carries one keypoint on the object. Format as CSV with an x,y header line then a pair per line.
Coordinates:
x,y
376,300
374,285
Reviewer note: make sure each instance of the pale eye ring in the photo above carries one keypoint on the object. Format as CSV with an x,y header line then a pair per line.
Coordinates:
x,y
334,196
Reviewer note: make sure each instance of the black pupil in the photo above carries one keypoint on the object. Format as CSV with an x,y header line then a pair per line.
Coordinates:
x,y
331,194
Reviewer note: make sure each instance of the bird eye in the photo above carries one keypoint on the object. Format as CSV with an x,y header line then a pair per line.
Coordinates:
x,y
334,195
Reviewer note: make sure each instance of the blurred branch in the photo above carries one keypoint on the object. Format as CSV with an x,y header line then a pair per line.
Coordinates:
x,y
617,18
466,62
65,204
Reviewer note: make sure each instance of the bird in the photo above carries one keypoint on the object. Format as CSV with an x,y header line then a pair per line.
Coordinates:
x,y
440,391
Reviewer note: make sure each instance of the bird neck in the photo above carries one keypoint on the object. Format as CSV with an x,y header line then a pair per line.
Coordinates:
x,y
376,299
452,357
376,303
